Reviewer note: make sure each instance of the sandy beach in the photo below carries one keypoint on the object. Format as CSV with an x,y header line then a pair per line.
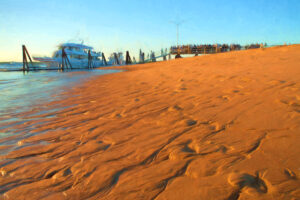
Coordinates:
x,y
222,126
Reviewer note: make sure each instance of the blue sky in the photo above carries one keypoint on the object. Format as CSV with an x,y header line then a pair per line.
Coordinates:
x,y
122,25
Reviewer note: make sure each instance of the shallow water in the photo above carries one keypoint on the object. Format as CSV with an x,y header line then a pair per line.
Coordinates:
x,y
20,92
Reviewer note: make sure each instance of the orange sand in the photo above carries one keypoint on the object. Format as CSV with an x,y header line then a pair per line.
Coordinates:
x,y
220,126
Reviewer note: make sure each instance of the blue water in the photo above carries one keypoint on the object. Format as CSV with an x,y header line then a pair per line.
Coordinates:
x,y
20,92
6,66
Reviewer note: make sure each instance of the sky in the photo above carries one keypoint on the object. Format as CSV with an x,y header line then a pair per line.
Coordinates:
x,y
122,25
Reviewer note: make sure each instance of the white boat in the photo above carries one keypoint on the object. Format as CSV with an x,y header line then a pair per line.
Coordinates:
x,y
77,55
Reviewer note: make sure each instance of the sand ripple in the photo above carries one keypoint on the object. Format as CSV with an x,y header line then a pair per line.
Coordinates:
x,y
195,128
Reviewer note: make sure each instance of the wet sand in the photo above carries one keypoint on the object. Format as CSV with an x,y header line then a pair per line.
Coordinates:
x,y
222,126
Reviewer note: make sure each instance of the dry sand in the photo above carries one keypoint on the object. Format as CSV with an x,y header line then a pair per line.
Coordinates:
x,y
220,126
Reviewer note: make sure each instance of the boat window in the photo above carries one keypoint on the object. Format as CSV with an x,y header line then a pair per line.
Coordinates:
x,y
81,57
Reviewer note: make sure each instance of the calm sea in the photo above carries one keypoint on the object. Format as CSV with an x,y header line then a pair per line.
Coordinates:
x,y
19,91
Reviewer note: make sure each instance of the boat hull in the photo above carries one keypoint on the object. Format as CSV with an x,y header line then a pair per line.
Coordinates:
x,y
75,63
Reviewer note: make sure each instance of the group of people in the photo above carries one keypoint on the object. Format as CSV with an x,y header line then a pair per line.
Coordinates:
x,y
209,48
255,46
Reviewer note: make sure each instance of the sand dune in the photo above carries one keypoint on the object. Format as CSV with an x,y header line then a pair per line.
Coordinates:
x,y
222,126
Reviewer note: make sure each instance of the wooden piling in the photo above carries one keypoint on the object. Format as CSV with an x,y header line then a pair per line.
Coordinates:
x,y
89,60
163,55
68,64
104,59
116,59
128,59
62,58
25,63
25,55
65,60
142,57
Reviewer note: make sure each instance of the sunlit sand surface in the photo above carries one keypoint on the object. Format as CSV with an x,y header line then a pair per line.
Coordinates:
x,y
222,126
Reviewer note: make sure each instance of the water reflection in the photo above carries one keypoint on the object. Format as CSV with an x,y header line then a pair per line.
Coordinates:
x,y
20,92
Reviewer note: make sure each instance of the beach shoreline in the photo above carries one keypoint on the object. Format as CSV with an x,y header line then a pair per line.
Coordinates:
x,y
221,126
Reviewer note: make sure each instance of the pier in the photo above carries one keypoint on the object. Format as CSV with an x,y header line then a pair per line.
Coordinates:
x,y
162,55
210,48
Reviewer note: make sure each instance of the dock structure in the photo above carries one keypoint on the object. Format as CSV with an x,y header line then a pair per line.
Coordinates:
x,y
163,54
153,56
64,63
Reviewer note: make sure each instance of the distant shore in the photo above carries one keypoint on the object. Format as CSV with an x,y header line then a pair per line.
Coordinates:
x,y
222,126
